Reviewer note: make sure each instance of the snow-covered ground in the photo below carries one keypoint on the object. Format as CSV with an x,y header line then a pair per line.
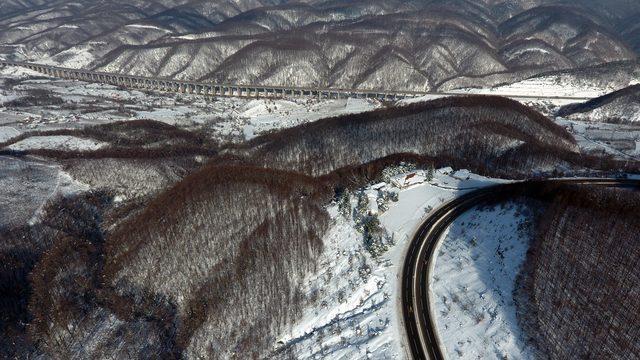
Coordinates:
x,y
629,111
26,185
472,285
226,119
547,86
8,132
77,57
264,116
58,142
356,308
619,140
548,89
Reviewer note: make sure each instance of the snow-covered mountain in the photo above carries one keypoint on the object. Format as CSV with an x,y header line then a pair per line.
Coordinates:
x,y
419,50
419,45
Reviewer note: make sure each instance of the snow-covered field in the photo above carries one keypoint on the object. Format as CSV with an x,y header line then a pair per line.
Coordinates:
x,y
226,119
550,91
356,309
264,116
619,140
8,132
629,111
58,142
474,279
548,86
552,94
26,185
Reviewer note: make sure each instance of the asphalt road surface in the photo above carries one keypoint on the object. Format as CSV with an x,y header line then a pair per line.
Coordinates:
x,y
422,335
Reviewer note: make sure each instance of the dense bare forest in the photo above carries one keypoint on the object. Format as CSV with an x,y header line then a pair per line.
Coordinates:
x,y
581,279
226,248
489,135
172,251
223,249
126,139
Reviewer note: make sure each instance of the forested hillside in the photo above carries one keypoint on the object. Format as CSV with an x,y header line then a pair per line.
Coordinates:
x,y
162,243
487,134
224,249
228,247
619,106
416,45
582,282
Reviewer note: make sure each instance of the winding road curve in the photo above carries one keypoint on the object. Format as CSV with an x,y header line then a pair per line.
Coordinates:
x,y
422,335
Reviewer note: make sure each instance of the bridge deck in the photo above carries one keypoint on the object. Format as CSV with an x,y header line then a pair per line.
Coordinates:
x,y
239,90
210,89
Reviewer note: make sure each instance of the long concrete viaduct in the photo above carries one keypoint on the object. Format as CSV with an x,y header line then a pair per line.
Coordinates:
x,y
249,91
209,89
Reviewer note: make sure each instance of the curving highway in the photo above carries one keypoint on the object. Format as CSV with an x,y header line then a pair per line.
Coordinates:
x,y
422,335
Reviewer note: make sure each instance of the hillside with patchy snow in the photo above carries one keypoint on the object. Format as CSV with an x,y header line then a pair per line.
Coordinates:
x,y
142,224
619,106
355,309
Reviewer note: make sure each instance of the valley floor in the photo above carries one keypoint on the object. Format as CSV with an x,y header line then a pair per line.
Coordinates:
x,y
233,120
79,103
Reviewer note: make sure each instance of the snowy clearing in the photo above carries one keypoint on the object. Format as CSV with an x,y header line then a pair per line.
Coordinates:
x,y
57,142
547,88
25,186
226,119
263,116
472,285
7,133
143,26
619,140
544,87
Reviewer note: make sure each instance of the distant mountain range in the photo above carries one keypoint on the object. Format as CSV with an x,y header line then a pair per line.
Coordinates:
x,y
379,44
